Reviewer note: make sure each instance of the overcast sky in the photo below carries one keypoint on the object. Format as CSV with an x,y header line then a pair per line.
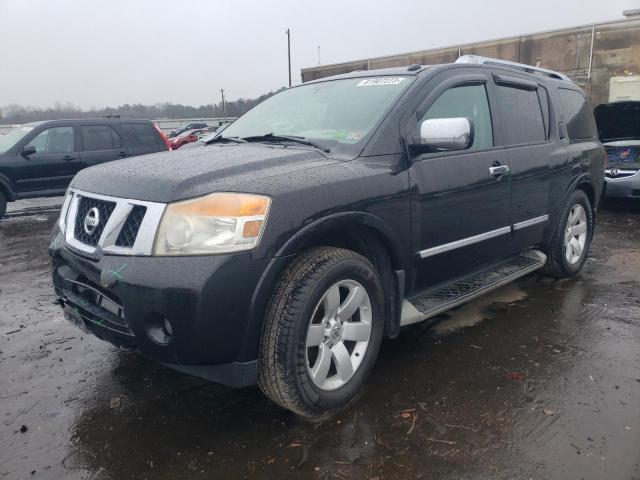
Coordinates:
x,y
110,52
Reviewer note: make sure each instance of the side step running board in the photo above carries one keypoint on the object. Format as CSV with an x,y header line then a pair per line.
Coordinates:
x,y
434,302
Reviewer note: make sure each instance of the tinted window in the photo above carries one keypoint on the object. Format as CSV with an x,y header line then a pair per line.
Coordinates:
x,y
522,115
576,114
468,101
143,135
99,137
54,140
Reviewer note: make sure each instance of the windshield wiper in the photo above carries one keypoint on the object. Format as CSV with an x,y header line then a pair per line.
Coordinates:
x,y
287,138
225,139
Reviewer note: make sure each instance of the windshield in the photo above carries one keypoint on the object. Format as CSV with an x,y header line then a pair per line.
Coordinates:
x,y
187,133
9,139
341,111
619,121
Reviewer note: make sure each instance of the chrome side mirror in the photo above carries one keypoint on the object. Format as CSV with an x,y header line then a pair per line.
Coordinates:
x,y
447,133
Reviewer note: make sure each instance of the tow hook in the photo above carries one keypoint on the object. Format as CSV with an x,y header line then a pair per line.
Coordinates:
x,y
62,301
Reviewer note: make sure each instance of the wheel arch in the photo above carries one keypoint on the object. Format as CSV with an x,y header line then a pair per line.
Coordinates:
x,y
371,237
587,188
353,227
585,183
361,232
5,188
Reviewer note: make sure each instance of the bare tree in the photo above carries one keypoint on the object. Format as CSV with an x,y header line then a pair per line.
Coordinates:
x,y
16,114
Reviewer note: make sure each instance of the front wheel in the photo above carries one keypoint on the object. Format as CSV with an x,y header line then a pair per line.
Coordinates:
x,y
572,238
322,332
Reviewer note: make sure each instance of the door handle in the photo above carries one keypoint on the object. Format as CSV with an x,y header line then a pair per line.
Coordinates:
x,y
123,154
68,157
498,171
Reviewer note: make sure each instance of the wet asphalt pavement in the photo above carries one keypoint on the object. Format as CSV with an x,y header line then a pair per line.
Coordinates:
x,y
540,379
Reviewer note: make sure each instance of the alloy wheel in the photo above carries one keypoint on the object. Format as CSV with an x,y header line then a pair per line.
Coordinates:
x,y
575,237
338,334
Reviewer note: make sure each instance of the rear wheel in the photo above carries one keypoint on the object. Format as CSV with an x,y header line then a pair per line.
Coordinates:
x,y
3,204
572,238
322,332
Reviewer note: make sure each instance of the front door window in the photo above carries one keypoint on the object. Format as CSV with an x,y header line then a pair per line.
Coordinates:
x,y
469,101
54,140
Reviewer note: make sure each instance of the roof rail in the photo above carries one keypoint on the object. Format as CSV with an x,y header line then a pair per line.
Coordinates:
x,y
517,66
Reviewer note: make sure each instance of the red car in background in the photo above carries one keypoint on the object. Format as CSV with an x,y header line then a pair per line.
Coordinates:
x,y
186,137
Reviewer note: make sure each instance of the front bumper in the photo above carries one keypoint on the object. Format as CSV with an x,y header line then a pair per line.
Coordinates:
x,y
214,306
623,187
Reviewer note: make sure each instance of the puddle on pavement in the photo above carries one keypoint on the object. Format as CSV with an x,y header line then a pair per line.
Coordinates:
x,y
477,310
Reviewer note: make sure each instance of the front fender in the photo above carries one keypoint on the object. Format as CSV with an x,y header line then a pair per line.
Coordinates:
x,y
347,221
342,221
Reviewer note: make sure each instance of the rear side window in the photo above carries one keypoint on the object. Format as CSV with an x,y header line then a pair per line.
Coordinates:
x,y
522,115
468,101
576,114
143,135
99,137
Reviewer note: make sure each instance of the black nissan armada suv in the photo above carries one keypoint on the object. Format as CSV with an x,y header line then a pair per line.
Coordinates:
x,y
283,250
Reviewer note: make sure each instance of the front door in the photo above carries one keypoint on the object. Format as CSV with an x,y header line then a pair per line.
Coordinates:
x,y
460,206
52,166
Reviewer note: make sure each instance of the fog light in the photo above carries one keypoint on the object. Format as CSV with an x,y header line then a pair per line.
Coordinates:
x,y
159,329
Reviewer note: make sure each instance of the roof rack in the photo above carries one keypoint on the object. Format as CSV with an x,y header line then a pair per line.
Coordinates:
x,y
517,66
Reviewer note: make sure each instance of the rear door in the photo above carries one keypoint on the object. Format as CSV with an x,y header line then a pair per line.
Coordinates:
x,y
141,138
460,211
524,114
100,143
54,163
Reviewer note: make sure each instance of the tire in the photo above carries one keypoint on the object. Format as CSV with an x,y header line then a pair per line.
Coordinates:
x,y
3,204
559,264
301,308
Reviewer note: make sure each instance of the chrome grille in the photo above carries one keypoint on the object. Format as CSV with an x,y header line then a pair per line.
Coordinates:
x,y
129,232
125,227
85,205
614,173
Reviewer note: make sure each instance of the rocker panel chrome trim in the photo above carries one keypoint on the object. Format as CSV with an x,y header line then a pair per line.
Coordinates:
x,y
446,247
530,222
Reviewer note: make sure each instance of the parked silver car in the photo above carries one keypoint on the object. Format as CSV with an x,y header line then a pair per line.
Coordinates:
x,y
619,130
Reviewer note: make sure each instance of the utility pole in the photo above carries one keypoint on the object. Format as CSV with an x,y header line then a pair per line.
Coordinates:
x,y
319,55
288,32
224,110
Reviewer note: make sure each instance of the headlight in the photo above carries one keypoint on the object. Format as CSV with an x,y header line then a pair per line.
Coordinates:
x,y
216,223
64,210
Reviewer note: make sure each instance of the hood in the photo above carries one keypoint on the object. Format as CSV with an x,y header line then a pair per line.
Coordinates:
x,y
618,121
180,174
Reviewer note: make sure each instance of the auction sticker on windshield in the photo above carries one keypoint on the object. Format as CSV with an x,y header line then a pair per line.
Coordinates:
x,y
373,82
